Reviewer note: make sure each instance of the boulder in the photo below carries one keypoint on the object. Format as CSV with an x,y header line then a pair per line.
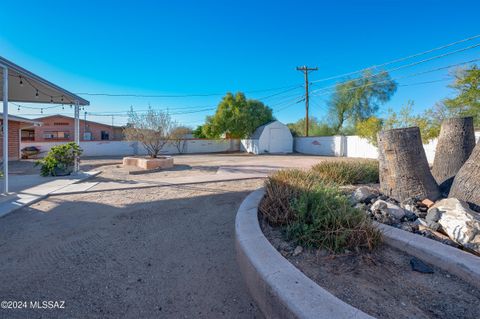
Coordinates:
x,y
432,218
388,208
364,194
458,221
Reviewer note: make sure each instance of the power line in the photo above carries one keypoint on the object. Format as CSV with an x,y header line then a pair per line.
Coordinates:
x,y
399,59
328,90
178,95
404,66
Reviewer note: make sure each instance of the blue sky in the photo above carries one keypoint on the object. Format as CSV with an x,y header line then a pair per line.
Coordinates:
x,y
211,47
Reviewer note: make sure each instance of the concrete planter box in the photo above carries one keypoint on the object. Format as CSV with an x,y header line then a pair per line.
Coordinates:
x,y
149,163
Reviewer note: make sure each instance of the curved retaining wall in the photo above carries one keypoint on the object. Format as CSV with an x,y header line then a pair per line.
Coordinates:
x,y
280,289
283,291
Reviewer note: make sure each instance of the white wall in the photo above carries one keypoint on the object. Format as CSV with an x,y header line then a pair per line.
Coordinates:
x,y
249,146
349,146
124,148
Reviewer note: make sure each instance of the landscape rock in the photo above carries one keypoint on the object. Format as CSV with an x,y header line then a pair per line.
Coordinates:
x,y
432,218
458,221
365,194
388,208
298,250
420,266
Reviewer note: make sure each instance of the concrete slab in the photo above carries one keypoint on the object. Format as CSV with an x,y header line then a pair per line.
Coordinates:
x,y
29,195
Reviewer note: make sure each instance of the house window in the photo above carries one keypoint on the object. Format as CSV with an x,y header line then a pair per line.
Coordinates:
x,y
56,135
104,135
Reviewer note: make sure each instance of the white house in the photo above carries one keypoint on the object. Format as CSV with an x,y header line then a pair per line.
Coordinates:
x,y
273,137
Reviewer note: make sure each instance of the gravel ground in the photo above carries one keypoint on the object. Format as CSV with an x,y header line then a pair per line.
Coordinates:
x,y
162,252
130,248
382,283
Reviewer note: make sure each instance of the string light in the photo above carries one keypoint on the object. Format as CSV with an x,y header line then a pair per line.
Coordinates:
x,y
41,111
21,81
51,99
19,108
36,93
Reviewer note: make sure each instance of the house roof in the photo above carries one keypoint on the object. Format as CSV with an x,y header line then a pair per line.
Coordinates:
x,y
20,119
41,119
259,130
24,86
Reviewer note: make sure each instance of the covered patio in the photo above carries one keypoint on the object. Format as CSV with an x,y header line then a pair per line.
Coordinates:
x,y
21,85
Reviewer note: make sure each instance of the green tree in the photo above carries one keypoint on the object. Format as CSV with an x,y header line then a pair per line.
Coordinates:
x,y
358,99
315,128
198,132
369,128
429,122
237,117
467,88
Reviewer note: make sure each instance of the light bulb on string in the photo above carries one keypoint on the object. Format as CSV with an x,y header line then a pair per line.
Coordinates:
x,y
70,105
36,93
41,111
51,99
21,81
18,108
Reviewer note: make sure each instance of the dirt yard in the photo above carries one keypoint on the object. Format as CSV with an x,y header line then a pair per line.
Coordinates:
x,y
132,247
382,283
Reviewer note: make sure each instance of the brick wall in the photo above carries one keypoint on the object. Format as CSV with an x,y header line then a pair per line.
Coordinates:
x,y
67,124
13,140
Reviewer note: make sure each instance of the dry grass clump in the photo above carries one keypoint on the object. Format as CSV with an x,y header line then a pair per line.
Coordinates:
x,y
315,212
281,189
348,172
325,218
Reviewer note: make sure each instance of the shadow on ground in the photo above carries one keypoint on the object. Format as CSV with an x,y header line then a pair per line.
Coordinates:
x,y
163,258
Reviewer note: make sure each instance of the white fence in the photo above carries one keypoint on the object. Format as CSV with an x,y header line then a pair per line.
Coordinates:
x,y
349,146
125,148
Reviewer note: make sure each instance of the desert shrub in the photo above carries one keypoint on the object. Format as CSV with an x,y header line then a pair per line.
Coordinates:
x,y
59,160
324,217
281,189
348,172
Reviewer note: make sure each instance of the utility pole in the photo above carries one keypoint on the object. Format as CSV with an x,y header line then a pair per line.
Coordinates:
x,y
305,69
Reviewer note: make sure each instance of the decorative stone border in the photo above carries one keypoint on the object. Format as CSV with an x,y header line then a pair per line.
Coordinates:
x,y
278,287
451,259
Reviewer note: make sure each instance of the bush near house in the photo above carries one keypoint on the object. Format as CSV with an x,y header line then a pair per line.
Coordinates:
x,y
60,160
313,210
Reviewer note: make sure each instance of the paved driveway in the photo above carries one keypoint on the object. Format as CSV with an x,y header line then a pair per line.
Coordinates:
x,y
136,247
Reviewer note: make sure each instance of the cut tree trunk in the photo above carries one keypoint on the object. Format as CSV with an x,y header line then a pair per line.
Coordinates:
x,y
404,170
455,144
466,185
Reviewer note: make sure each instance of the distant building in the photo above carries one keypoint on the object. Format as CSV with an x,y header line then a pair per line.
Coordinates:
x,y
15,124
57,128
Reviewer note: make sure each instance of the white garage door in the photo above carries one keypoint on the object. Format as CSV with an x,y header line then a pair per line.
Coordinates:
x,y
277,141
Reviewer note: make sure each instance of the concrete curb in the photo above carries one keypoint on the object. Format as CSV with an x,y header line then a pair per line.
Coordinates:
x,y
451,259
279,289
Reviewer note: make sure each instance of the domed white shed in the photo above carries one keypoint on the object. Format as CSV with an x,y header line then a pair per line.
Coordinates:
x,y
273,137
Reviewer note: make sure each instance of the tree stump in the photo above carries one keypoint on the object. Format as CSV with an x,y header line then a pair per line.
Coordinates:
x,y
466,185
404,170
455,144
